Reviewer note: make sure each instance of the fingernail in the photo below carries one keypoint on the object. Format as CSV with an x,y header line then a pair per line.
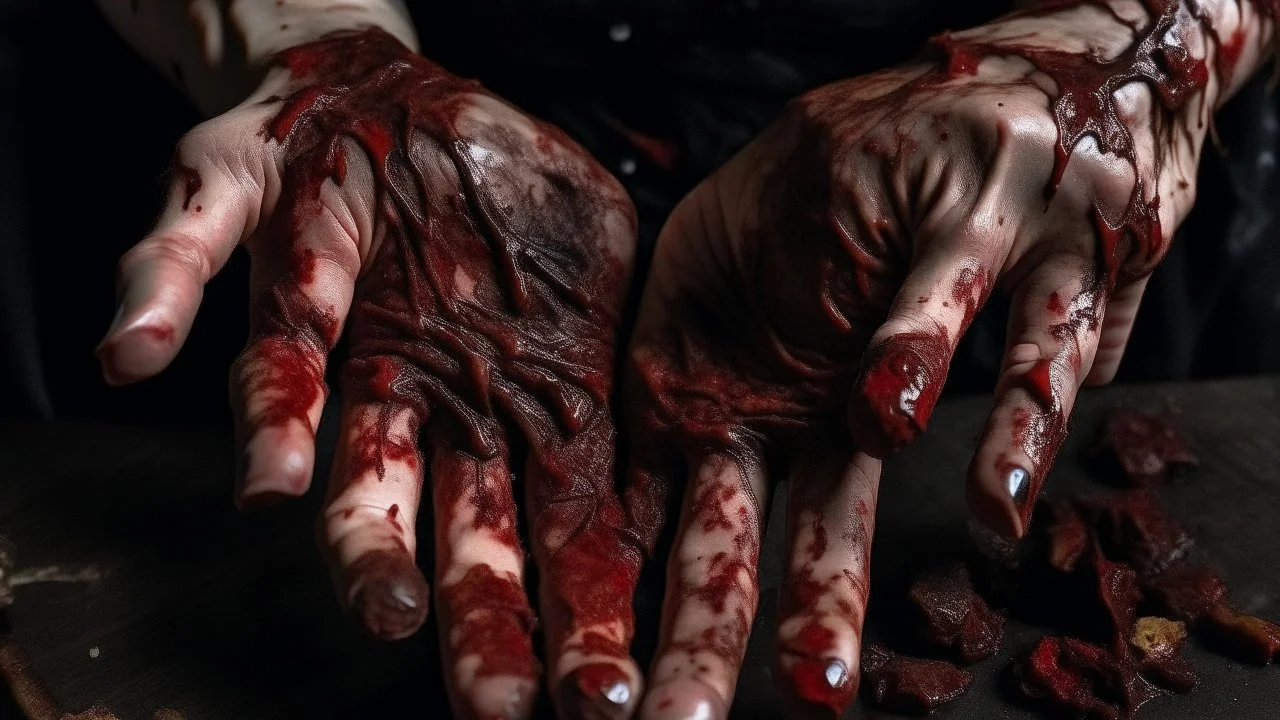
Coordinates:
x,y
504,697
1017,482
388,595
897,391
274,465
599,691
819,688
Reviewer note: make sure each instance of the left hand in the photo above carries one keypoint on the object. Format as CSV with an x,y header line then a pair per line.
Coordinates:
x,y
804,304
476,260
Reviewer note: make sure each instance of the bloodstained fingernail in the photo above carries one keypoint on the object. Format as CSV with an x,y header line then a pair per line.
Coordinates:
x,y
819,688
388,594
1017,482
897,390
598,691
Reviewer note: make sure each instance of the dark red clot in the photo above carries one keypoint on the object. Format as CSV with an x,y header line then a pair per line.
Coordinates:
x,y
1118,591
955,616
1185,592
1145,448
910,685
1243,637
1068,538
1133,527
1082,677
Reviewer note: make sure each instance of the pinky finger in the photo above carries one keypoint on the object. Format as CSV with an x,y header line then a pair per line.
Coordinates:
x,y
1053,338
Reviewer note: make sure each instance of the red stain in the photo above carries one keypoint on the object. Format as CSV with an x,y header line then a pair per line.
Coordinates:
x,y
1229,52
897,391
162,334
1055,305
1039,382
490,619
191,183
970,292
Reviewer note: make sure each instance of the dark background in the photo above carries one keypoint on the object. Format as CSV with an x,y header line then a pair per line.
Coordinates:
x,y
86,132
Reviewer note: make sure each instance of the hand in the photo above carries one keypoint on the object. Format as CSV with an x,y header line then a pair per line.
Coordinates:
x,y
478,259
805,302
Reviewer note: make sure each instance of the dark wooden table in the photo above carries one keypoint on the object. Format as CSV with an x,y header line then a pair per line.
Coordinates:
x,y
220,615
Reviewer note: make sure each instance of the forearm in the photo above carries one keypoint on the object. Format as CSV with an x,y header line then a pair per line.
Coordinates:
x,y
217,50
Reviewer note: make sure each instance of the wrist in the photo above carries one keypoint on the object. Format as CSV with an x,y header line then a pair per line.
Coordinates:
x,y
218,51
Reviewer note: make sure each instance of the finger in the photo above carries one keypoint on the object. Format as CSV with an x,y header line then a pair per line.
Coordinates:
x,y
1053,336
1117,325
906,362
303,279
368,526
830,520
486,624
160,281
712,590
589,567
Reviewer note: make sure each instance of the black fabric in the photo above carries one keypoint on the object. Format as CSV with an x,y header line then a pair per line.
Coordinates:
x,y
86,130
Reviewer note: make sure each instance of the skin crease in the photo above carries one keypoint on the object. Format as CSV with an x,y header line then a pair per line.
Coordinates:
x,y
476,260
805,301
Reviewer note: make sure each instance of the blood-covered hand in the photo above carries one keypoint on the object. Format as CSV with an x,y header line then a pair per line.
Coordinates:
x,y
805,302
478,259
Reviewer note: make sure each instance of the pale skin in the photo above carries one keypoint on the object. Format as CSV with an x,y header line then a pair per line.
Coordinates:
x,y
969,198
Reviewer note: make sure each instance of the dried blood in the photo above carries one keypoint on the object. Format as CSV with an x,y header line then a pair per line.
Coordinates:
x,y
1243,637
1184,592
1135,529
1082,677
1145,447
955,616
910,685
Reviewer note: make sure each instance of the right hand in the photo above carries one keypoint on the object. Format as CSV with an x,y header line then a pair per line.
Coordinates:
x,y
481,258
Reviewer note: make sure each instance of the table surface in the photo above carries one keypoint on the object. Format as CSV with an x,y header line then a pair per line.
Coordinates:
x,y
222,615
